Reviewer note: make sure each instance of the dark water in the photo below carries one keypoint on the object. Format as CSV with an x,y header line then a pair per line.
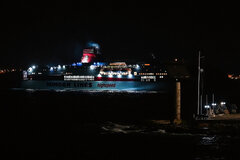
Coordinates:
x,y
103,125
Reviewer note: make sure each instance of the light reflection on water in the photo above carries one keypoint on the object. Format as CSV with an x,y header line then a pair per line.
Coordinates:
x,y
208,140
90,91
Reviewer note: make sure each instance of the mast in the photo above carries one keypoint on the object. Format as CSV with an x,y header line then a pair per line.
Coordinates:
x,y
199,74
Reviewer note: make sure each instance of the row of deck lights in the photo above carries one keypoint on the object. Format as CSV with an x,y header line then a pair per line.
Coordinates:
x,y
118,76
59,67
92,67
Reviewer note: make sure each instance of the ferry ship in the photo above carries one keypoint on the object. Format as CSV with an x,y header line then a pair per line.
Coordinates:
x,y
92,73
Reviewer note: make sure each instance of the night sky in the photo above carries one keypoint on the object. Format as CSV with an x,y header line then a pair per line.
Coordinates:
x,y
51,33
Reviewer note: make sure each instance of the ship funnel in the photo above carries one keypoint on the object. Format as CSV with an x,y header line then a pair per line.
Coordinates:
x,y
89,55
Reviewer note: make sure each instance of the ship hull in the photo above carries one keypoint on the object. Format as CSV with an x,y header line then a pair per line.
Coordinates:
x,y
162,86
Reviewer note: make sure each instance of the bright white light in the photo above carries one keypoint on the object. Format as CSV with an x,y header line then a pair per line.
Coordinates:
x,y
110,75
137,66
92,67
119,76
59,67
33,67
64,67
214,104
223,103
207,106
30,69
99,75
130,76
51,69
